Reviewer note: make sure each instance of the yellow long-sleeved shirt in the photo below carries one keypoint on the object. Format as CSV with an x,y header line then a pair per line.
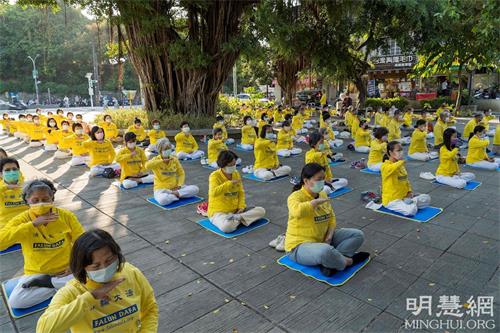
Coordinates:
x,y
155,135
348,116
496,138
46,249
59,118
132,306
248,135
5,124
378,118
297,122
305,223
477,150
354,126
362,137
214,148
223,195
260,124
448,162
395,184
486,120
139,132
62,142
168,174
418,142
469,128
101,153
329,130
265,154
224,131
51,136
110,129
408,119
438,131
37,132
314,156
378,149
285,140
278,116
393,126
11,203
75,143
131,165
185,143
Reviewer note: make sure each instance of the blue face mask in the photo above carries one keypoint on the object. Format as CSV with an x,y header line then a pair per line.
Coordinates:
x,y
321,147
269,136
11,176
318,186
104,275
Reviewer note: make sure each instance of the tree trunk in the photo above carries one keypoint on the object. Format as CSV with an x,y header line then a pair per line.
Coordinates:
x,y
459,94
119,80
286,74
361,86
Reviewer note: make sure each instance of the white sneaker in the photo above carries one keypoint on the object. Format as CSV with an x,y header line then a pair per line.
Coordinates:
x,y
204,161
280,246
427,176
274,242
245,170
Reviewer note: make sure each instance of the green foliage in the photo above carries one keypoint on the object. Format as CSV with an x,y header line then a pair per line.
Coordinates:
x,y
399,102
437,102
230,105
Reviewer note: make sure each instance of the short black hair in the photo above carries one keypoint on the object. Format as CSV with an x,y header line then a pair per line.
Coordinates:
x,y
288,116
137,121
263,131
326,115
380,132
225,157
94,130
314,138
75,125
420,122
216,130
106,116
83,248
219,118
245,118
286,123
263,115
8,160
130,136
184,123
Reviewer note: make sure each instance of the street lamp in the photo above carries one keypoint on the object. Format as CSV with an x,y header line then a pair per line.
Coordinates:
x,y
91,89
35,75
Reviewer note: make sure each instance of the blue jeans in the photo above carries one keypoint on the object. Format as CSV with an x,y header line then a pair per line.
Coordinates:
x,y
345,242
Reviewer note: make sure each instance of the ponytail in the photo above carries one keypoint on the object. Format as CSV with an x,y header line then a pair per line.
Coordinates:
x,y
390,147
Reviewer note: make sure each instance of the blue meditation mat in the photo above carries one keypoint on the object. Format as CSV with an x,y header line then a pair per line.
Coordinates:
x,y
210,168
340,192
369,171
475,167
242,229
13,248
252,177
423,214
408,158
190,159
140,185
314,272
176,204
334,163
470,186
238,147
7,287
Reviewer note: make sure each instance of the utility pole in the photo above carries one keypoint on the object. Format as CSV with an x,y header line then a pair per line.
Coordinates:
x,y
35,75
235,81
96,75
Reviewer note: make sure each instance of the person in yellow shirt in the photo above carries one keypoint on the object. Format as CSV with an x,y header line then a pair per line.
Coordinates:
x,y
298,121
220,124
327,123
132,160
331,155
486,122
169,176
285,146
279,116
43,118
19,124
439,127
397,194
408,118
11,199
139,130
12,126
63,145
215,146
418,146
448,171
46,234
226,197
428,123
264,120
110,129
51,135
85,125
378,148
477,156
267,165
348,116
311,236
394,127
379,116
154,135
471,124
355,119
59,116
496,141
248,133
317,154
186,146
5,122
322,100
101,151
84,304
362,138
36,133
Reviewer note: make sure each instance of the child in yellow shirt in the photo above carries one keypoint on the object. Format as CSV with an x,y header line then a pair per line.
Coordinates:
x,y
132,161
378,148
154,135
215,146
186,146
248,133
36,133
418,146
51,135
101,151
285,146
220,124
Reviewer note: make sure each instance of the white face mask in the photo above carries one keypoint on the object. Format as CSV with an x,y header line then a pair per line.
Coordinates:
x,y
156,127
65,127
52,124
230,169
166,153
108,120
186,129
286,128
130,145
78,131
104,275
249,122
269,136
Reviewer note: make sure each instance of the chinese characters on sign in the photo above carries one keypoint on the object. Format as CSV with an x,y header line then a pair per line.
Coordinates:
x,y
391,61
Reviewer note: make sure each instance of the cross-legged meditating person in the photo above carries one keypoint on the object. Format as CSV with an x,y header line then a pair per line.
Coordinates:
x,y
378,147
226,197
186,146
46,234
101,151
132,161
267,164
311,235
418,145
477,156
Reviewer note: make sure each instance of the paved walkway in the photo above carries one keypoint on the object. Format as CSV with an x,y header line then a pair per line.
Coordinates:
x,y
204,283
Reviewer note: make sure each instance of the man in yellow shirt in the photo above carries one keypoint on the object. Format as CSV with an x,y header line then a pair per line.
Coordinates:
x,y
439,128
154,135
477,156
186,147
132,161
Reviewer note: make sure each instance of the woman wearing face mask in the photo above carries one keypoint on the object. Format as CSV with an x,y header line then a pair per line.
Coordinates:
x,y
101,151
439,127
248,133
378,147
362,138
11,199
267,164
36,133
5,122
132,161
51,135
285,141
394,127
264,120
318,155
227,208
397,194
154,135
327,125
298,122
219,123
86,127
63,144
477,156
186,146
20,125
46,234
110,129
418,146
139,131
311,238
59,116
215,146
448,171
101,273
169,176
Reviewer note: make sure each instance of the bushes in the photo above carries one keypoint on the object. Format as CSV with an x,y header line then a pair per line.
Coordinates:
x,y
399,102
436,103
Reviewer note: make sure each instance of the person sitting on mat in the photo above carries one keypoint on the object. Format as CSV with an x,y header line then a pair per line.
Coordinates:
x,y
226,197
285,141
154,135
418,146
327,124
46,234
110,129
132,160
101,151
471,124
85,126
264,120
394,127
220,124
169,176
311,238
439,127
378,147
267,165
186,146
215,146
486,122
100,271
298,121
332,156
477,156
448,171
317,155
397,194
248,133
36,133
11,189
362,138
140,132
51,135
75,142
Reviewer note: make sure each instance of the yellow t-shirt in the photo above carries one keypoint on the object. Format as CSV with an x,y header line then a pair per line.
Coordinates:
x,y
285,140
265,154
185,143
223,195
379,117
62,142
438,131
139,132
11,202
314,156
214,148
297,121
348,116
395,184
131,308
51,136
110,129
354,126
278,116
248,135
75,143
131,165
37,132
101,153
418,142
448,162
496,138
469,128
167,174
362,137
155,135
377,151
305,223
477,150
408,119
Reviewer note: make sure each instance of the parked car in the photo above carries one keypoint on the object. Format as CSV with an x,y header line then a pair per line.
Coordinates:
x,y
309,96
243,97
